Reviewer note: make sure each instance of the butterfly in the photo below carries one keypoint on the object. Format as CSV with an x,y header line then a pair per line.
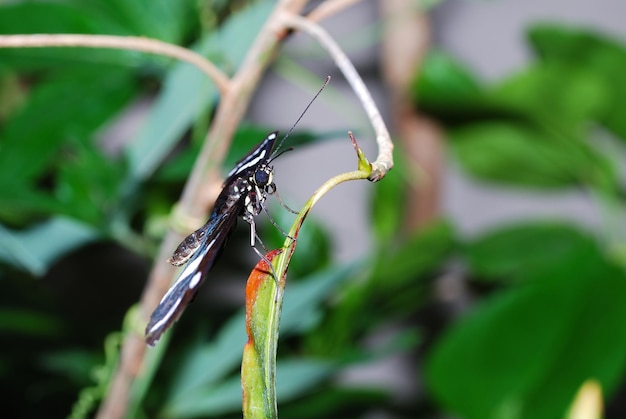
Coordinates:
x,y
243,195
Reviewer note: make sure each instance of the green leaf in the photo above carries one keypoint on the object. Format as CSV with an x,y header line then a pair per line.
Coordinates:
x,y
187,93
89,183
388,201
297,376
523,156
524,250
525,352
29,323
138,17
205,366
45,17
58,110
264,297
333,402
37,248
444,84
75,364
263,311
559,94
304,299
20,203
450,92
598,55
397,265
394,288
315,244
224,397
34,147
12,93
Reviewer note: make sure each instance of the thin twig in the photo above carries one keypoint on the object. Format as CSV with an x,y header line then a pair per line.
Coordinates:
x,y
330,8
133,43
384,161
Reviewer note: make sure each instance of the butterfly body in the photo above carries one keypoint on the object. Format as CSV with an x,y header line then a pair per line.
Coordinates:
x,y
243,194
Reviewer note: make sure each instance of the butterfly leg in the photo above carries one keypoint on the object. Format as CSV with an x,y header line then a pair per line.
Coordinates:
x,y
274,192
253,237
275,224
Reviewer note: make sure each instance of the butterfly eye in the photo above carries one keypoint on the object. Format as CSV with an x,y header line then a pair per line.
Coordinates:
x,y
262,177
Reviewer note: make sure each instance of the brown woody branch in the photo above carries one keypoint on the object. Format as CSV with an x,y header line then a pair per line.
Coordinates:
x,y
133,43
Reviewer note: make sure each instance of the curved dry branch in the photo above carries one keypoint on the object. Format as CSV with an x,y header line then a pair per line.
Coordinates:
x,y
384,160
133,43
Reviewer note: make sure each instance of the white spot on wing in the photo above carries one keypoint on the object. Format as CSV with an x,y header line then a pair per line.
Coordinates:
x,y
189,269
195,280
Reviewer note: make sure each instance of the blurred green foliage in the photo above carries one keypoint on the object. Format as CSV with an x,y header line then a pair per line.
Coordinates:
x,y
78,224
554,297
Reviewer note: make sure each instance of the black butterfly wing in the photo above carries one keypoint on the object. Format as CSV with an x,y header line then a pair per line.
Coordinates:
x,y
182,292
259,155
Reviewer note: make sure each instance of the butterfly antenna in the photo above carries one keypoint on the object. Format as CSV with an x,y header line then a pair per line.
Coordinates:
x,y
300,117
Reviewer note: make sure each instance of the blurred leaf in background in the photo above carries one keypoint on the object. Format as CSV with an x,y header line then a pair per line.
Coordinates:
x,y
548,295
525,351
534,129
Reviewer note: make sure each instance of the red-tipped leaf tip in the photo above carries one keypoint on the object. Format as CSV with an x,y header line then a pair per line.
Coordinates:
x,y
260,272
